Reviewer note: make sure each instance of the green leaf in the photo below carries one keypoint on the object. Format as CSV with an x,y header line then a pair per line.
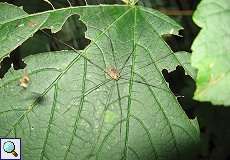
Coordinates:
x,y
16,26
211,52
14,11
73,109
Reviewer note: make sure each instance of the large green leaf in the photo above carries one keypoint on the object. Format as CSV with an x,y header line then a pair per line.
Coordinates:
x,y
72,109
211,52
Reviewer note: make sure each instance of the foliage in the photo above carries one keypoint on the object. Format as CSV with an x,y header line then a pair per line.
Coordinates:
x,y
108,101
211,52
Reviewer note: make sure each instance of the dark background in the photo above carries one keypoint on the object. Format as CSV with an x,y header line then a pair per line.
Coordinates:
x,y
213,120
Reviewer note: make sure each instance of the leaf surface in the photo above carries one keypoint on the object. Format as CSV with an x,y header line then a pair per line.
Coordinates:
x,y
211,52
73,109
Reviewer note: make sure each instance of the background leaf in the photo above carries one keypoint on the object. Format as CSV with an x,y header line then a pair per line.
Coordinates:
x,y
211,52
79,112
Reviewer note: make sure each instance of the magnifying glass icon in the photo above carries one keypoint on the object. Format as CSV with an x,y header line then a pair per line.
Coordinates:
x,y
9,147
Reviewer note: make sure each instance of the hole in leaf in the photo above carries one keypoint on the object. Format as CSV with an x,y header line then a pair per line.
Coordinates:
x,y
183,42
212,118
71,36
183,87
16,59
5,66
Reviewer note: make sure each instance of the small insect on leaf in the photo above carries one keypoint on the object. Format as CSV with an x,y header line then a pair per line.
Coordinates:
x,y
24,81
113,73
